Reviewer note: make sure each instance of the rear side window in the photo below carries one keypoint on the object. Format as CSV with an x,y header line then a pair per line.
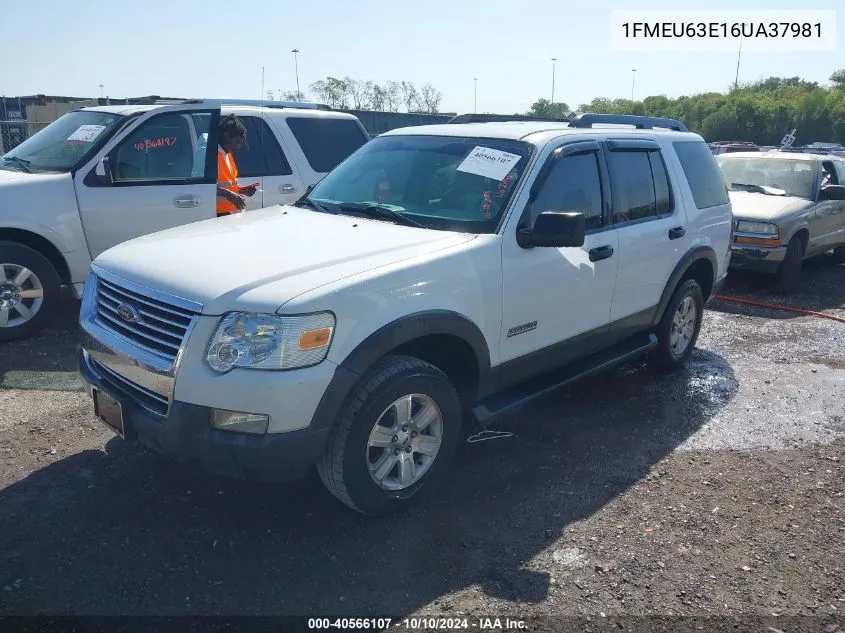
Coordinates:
x,y
633,186
260,155
326,142
702,173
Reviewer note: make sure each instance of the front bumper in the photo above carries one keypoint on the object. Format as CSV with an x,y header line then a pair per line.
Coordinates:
x,y
764,259
184,434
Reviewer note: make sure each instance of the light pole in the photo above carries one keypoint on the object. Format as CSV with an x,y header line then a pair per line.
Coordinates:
x,y
101,90
296,68
554,61
738,56
633,79
475,96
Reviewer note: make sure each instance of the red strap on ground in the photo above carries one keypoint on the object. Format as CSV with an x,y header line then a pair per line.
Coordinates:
x,y
772,306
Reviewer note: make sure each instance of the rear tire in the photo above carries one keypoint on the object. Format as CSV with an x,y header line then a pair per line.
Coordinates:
x,y
839,255
372,462
788,276
679,327
30,291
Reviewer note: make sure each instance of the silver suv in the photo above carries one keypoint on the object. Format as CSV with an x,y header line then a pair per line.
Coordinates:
x,y
787,207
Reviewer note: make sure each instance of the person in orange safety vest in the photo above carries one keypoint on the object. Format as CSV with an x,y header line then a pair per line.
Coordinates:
x,y
230,196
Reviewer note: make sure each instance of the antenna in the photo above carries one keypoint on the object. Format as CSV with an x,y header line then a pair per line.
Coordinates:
x,y
261,127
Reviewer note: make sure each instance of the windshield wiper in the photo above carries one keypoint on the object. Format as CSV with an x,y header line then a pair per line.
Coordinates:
x,y
379,210
20,162
308,202
769,191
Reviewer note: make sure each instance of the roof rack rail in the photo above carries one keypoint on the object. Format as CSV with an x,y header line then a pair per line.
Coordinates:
x,y
176,101
499,118
734,143
247,102
641,122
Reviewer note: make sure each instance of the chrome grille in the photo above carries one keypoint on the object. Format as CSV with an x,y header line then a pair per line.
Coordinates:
x,y
156,326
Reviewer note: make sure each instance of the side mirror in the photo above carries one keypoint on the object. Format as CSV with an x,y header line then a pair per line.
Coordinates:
x,y
556,229
103,171
833,192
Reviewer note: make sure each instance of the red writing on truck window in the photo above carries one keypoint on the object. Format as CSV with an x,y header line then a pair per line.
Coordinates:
x,y
154,143
487,206
503,187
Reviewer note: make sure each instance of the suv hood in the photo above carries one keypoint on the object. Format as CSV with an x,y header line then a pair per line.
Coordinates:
x,y
258,260
9,176
14,177
759,206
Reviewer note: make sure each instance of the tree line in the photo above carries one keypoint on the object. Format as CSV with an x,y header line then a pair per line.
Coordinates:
x,y
357,94
761,111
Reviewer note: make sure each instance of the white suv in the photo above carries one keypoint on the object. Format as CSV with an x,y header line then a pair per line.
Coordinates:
x,y
102,175
440,277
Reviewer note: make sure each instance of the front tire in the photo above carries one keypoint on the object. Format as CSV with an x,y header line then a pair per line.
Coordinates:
x,y
788,276
679,327
30,291
395,439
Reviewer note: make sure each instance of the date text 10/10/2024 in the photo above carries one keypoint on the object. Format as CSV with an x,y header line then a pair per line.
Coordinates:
x,y
415,623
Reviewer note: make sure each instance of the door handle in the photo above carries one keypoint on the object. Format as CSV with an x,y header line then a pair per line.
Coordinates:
x,y
601,252
186,202
287,188
677,232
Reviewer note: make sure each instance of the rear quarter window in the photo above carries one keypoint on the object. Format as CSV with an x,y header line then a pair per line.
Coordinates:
x,y
326,142
702,173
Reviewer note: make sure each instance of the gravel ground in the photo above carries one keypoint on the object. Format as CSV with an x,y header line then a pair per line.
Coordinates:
x,y
717,491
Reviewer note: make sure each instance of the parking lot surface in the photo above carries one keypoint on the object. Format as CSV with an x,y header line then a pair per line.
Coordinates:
x,y
714,491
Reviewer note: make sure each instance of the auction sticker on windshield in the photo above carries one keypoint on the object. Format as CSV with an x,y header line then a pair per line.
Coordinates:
x,y
490,163
86,133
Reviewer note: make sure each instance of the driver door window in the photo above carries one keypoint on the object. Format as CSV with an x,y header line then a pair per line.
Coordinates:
x,y
574,184
829,175
163,149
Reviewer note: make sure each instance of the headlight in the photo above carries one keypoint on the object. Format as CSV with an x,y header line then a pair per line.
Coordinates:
x,y
761,228
268,341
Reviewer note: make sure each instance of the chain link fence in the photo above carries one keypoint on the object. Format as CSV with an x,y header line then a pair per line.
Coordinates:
x,y
16,131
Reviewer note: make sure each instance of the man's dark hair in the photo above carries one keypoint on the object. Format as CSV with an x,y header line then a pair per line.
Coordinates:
x,y
231,125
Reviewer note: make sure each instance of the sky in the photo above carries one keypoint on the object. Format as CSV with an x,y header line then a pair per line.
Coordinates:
x,y
217,48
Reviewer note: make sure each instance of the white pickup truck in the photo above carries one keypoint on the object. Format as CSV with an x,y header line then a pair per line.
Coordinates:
x,y
441,276
102,175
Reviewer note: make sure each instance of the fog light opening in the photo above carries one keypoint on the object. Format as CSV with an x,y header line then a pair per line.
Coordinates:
x,y
240,422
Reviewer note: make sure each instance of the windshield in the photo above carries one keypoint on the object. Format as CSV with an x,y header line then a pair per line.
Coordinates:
x,y
771,176
63,144
441,182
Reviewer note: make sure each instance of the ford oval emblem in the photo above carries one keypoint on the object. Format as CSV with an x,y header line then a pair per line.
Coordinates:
x,y
128,313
